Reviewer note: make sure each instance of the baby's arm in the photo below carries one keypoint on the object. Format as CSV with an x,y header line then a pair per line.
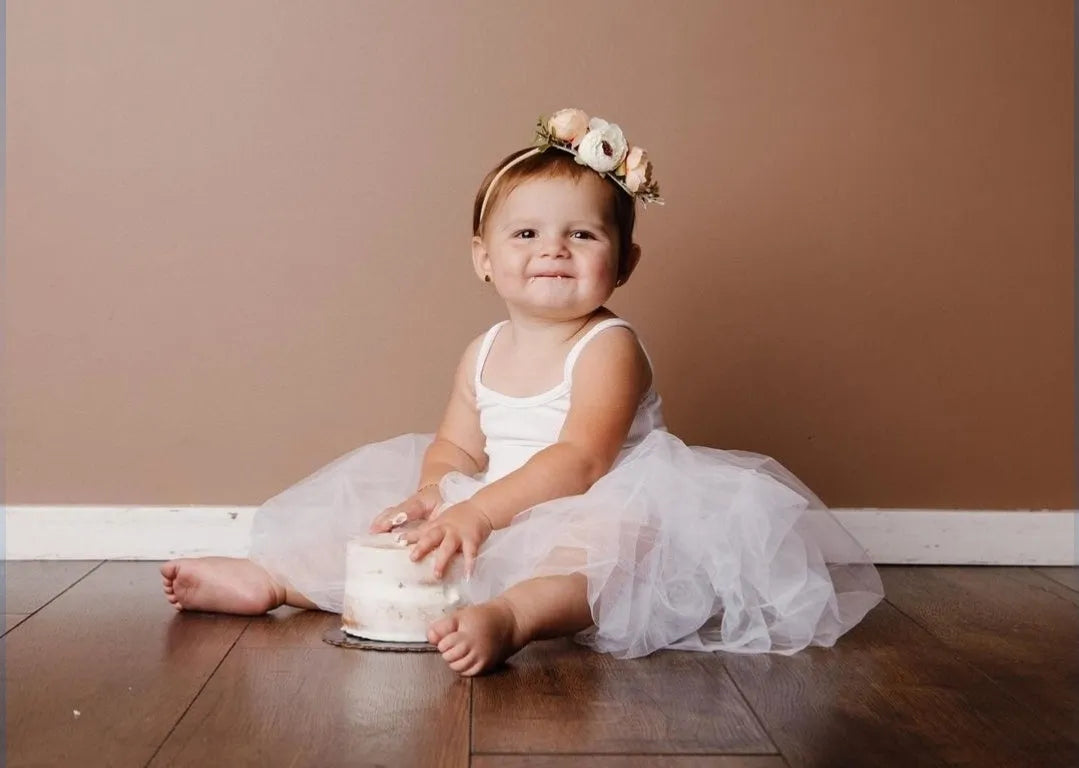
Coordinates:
x,y
459,443
458,446
609,380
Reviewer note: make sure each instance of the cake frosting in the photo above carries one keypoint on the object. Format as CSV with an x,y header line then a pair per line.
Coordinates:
x,y
390,598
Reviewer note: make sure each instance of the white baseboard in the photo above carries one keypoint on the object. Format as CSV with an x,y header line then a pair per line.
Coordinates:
x,y
911,536
40,532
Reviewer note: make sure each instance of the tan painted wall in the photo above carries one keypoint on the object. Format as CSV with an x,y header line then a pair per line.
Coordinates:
x,y
238,233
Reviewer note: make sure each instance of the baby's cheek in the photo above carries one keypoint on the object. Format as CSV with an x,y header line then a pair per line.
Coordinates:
x,y
608,274
602,270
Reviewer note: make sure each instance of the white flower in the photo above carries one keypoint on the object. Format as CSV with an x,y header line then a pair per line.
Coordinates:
x,y
568,125
603,148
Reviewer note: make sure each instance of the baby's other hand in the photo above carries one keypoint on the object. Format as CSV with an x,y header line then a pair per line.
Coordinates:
x,y
418,506
461,528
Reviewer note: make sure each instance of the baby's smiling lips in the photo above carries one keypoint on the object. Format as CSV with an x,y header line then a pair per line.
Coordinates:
x,y
551,274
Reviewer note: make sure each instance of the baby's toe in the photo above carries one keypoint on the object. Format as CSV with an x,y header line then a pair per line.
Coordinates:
x,y
441,628
168,570
452,640
465,662
455,652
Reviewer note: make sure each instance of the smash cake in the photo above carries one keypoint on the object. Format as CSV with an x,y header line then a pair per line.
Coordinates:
x,y
388,597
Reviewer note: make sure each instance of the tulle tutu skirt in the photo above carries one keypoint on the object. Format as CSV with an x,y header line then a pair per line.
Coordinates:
x,y
683,547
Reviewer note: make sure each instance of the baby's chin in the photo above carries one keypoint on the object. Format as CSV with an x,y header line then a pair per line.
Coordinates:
x,y
556,308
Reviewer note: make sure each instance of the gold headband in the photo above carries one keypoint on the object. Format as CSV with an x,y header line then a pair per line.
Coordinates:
x,y
506,167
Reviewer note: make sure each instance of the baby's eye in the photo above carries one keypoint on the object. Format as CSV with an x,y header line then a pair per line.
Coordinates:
x,y
584,234
527,234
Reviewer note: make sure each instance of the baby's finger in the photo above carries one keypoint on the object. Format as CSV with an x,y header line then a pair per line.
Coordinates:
x,y
451,543
381,523
387,524
469,550
426,543
414,535
414,509
410,509
407,510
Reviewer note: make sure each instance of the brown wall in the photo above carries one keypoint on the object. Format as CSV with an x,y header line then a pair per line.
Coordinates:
x,y
238,233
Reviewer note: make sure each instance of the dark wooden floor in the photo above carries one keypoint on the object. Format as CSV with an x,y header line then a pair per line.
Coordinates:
x,y
973,666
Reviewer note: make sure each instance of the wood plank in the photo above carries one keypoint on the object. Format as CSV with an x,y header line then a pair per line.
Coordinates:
x,y
559,697
889,694
29,584
106,669
289,627
12,620
284,697
627,761
1067,575
1016,626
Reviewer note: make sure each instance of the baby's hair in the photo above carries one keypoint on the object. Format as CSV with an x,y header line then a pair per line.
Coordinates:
x,y
555,164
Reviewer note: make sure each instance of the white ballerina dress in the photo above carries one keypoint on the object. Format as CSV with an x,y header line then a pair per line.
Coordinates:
x,y
683,547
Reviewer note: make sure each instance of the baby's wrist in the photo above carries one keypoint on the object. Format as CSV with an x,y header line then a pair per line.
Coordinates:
x,y
427,486
483,514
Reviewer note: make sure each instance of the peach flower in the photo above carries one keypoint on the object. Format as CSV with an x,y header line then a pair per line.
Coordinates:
x,y
638,169
568,125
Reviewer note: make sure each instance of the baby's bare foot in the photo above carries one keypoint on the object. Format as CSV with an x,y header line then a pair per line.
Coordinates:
x,y
220,584
477,638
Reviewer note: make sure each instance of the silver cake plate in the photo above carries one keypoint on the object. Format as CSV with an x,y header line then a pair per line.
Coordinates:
x,y
342,639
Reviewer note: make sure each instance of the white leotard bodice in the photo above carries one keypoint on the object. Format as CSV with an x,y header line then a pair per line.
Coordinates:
x,y
517,428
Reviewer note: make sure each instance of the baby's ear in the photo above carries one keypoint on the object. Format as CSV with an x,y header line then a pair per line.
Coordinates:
x,y
481,262
632,259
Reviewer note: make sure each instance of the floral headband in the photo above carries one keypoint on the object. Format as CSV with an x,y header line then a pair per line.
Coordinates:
x,y
597,144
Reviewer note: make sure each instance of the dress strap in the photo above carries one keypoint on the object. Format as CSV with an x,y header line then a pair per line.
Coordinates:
x,y
485,349
575,352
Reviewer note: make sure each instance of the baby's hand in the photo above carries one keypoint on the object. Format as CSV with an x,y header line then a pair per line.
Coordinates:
x,y
418,506
461,528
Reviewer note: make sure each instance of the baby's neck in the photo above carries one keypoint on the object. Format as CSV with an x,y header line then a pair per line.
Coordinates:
x,y
527,332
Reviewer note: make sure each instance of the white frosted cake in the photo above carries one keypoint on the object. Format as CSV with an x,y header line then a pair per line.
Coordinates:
x,y
390,598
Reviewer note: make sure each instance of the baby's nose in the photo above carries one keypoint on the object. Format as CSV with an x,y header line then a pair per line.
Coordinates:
x,y
555,247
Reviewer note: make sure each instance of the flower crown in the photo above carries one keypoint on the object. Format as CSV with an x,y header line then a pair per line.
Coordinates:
x,y
603,148
595,143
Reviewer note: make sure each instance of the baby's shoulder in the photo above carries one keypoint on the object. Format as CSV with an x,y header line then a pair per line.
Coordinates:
x,y
615,350
472,352
612,334
474,345
466,366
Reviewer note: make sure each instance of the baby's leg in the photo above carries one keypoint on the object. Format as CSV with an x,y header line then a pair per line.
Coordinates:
x,y
479,637
225,585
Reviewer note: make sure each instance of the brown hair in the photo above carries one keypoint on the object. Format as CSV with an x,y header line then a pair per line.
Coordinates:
x,y
554,163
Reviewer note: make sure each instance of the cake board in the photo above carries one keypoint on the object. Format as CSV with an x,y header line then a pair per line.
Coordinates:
x,y
342,639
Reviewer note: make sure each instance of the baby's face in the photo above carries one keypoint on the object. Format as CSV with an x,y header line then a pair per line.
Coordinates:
x,y
553,247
